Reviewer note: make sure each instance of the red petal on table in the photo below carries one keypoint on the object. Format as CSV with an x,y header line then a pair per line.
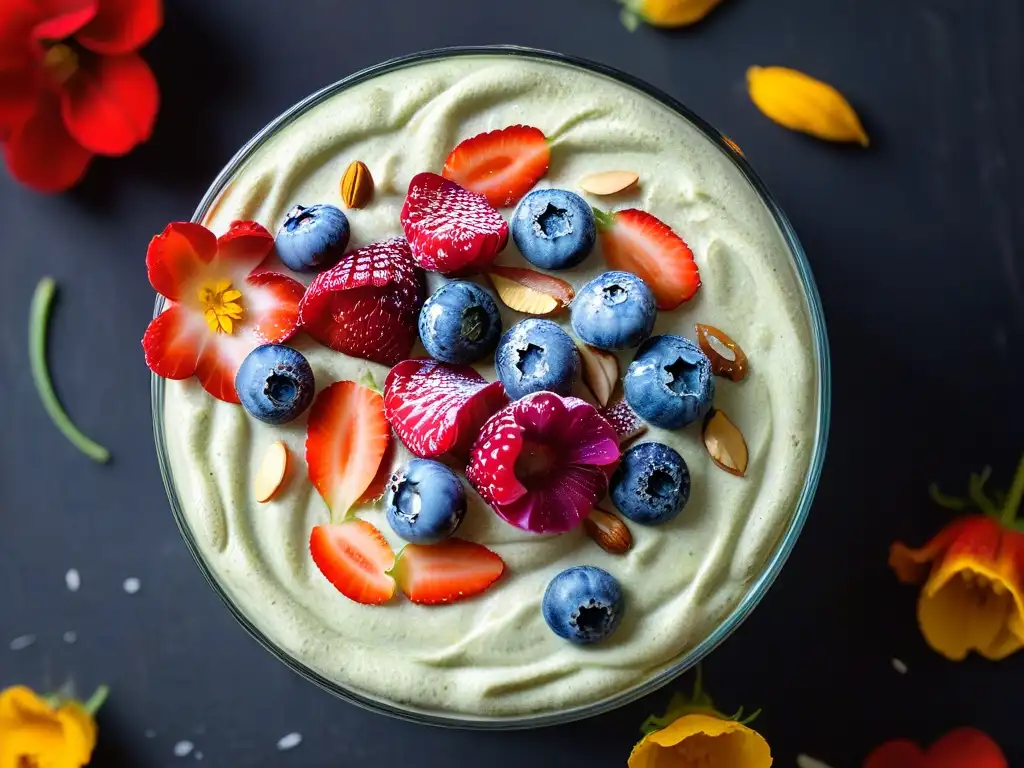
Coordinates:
x,y
964,747
244,247
272,305
177,256
59,19
122,26
173,342
17,17
110,104
18,97
41,154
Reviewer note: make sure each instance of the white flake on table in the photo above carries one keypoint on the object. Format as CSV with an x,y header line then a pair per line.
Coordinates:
x,y
899,666
70,636
183,748
73,579
132,585
291,741
23,642
149,733
803,761
199,755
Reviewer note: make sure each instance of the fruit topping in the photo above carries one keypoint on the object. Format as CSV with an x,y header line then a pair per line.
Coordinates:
x,y
669,383
450,229
608,531
535,355
651,485
725,443
435,407
346,439
727,359
272,471
600,372
637,242
453,570
500,165
367,305
624,420
529,292
615,310
355,557
583,604
379,485
312,238
275,384
218,310
541,462
460,323
554,228
356,185
608,182
425,502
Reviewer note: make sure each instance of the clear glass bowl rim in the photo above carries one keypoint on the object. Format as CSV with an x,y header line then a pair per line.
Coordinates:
x,y
785,546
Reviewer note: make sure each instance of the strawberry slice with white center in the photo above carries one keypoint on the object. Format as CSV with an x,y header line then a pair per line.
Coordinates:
x,y
501,165
346,439
435,407
355,557
635,241
455,569
450,229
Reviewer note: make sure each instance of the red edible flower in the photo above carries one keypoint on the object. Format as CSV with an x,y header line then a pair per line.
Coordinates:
x,y
219,307
72,85
960,748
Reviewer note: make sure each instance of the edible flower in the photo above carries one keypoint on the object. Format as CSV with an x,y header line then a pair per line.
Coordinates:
x,y
665,13
72,85
693,733
960,747
219,305
46,732
973,574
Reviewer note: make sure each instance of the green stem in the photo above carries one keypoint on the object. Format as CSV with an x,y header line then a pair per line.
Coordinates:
x,y
94,702
976,489
605,219
39,317
949,502
1013,499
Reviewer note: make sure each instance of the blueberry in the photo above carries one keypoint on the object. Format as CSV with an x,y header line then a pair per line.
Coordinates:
x,y
583,604
669,383
615,310
312,238
460,323
535,355
425,502
553,228
275,383
651,485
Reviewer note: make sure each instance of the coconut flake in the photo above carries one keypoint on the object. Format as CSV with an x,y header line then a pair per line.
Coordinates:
x,y
899,666
70,636
803,761
291,741
149,733
132,585
23,642
73,579
183,748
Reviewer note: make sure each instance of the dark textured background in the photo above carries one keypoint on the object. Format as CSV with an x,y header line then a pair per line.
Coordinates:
x,y
916,245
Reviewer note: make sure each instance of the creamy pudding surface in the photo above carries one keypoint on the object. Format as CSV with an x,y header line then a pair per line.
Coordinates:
x,y
493,655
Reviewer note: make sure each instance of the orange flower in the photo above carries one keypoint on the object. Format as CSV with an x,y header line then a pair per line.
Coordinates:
x,y
973,574
960,748
38,733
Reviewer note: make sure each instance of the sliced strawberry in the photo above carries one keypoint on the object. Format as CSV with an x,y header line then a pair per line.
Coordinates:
x,y
368,304
453,570
272,303
500,165
435,407
450,229
377,487
355,557
635,241
346,439
172,343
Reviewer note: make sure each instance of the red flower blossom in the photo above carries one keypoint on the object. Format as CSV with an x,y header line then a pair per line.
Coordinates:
x,y
960,748
220,306
72,85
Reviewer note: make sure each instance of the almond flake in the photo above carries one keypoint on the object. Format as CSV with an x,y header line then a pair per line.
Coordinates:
x,y
608,530
600,372
608,182
727,359
271,472
530,292
725,443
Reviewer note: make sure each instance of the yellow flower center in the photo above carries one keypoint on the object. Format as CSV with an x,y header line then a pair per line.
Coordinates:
x,y
61,61
221,305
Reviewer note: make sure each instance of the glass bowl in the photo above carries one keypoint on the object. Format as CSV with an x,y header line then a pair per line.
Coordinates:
x,y
775,561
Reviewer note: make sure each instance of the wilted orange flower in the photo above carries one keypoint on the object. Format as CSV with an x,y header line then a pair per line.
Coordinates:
x,y
37,732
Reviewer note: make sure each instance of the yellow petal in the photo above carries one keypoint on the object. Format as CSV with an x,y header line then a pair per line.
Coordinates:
x,y
232,295
230,308
225,323
221,285
211,320
704,740
79,734
957,616
800,102
671,13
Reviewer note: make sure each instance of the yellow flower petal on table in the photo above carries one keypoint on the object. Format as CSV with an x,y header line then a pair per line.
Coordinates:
x,y
669,13
702,740
34,733
802,103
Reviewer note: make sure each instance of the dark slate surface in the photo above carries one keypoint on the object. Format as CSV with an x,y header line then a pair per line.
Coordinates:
x,y
916,246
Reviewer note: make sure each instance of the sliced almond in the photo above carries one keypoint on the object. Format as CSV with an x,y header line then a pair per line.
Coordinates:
x,y
609,182
608,530
272,471
530,292
727,359
725,443
600,372
733,146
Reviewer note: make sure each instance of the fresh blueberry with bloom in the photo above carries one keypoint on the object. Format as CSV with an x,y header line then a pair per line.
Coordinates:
x,y
554,228
219,307
542,462
536,355
50,731
652,484
459,323
669,383
73,85
615,310
583,604
425,502
275,383
313,238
